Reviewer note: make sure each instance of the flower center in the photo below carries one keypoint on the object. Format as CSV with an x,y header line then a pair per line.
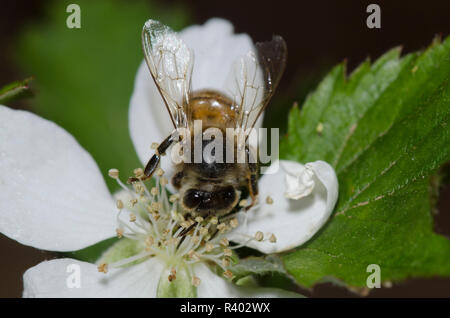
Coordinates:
x,y
154,219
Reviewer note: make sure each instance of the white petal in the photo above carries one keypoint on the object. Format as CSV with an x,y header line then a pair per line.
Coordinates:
x,y
215,48
52,195
299,180
58,279
214,286
293,222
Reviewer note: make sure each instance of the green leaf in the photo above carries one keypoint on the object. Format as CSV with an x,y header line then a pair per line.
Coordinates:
x,y
92,253
15,91
385,129
84,77
257,266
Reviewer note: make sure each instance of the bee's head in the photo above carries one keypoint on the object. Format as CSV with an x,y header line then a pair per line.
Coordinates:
x,y
219,201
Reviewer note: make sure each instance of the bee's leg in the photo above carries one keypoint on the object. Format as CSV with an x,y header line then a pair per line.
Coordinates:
x,y
188,229
152,164
252,178
252,185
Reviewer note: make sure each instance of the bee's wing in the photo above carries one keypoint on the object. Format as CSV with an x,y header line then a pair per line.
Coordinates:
x,y
254,78
170,62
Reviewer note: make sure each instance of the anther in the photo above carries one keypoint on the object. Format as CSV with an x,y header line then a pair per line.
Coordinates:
x,y
154,145
154,191
149,241
269,200
185,224
221,226
119,204
132,217
199,219
209,247
195,281
224,242
234,223
164,181
243,203
228,274
138,172
203,231
227,252
273,238
214,220
159,172
119,233
138,188
195,239
133,202
225,262
103,268
113,173
171,277
173,198
156,216
156,206
194,255
259,236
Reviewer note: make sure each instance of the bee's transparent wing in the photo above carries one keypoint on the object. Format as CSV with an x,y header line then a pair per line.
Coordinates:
x,y
170,62
254,78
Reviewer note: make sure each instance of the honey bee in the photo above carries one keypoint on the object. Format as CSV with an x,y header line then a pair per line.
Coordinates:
x,y
211,188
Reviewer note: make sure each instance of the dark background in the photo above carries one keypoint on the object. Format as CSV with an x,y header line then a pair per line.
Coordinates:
x,y
319,34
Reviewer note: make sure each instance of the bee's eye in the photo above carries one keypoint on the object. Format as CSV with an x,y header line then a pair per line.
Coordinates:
x,y
221,198
192,198
228,193
224,198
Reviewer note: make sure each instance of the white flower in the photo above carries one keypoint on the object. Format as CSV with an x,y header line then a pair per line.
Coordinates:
x,y
293,222
53,197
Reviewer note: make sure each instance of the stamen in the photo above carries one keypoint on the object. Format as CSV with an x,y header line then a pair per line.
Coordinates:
x,y
195,281
224,242
203,231
259,236
173,198
214,220
159,172
272,238
228,274
173,275
269,200
234,223
164,181
225,262
138,172
103,268
227,252
209,247
113,173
